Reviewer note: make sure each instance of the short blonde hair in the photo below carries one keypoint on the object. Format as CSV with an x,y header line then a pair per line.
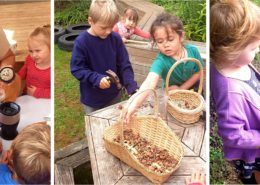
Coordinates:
x,y
104,11
32,154
45,31
234,24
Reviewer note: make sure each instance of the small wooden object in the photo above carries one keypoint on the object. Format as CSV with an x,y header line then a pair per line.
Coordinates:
x,y
137,42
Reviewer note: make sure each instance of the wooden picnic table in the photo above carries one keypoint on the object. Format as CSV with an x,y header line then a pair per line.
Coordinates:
x,y
18,22
108,169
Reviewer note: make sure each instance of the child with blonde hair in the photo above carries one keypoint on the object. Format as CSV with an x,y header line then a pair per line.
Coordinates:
x,y
235,83
29,158
127,26
168,33
37,66
96,51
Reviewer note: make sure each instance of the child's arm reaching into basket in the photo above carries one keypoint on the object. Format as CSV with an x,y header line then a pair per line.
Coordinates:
x,y
151,81
196,179
188,84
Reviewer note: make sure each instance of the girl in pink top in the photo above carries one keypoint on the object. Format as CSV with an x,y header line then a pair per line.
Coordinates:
x,y
127,26
37,66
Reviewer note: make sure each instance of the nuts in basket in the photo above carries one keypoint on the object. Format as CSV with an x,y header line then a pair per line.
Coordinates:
x,y
148,154
184,105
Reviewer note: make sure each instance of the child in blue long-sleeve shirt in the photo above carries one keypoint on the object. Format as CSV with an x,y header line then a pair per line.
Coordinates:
x,y
97,50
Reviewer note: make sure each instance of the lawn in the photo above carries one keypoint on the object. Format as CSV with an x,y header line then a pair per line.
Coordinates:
x,y
69,112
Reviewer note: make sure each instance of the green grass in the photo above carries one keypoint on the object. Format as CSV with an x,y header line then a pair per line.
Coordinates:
x,y
69,112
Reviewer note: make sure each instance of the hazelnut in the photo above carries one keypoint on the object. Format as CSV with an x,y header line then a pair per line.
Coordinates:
x,y
179,105
121,107
153,147
151,168
143,161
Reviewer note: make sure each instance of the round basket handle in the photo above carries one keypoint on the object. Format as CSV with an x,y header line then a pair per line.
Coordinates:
x,y
122,116
182,61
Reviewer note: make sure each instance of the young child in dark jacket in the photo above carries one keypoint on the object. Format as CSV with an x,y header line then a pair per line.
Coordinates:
x,y
96,51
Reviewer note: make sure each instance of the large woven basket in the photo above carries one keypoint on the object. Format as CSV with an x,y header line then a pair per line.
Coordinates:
x,y
193,98
154,130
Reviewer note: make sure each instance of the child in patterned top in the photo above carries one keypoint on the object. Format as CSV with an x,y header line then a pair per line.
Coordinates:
x,y
235,83
127,26
37,66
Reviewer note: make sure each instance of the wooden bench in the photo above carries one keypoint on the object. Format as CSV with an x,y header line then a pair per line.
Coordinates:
x,y
68,158
19,21
142,56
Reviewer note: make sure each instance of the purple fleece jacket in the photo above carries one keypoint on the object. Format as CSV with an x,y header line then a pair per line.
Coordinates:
x,y
238,109
91,58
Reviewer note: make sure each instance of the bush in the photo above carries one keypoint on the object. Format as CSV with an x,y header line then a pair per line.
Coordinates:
x,y
73,13
192,14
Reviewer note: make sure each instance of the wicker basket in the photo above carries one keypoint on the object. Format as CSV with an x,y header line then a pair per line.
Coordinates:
x,y
154,130
193,98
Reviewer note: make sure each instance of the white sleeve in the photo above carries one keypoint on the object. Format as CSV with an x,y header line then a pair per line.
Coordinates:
x,y
4,44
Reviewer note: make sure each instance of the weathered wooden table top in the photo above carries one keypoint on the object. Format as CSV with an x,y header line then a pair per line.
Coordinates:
x,y
19,21
107,169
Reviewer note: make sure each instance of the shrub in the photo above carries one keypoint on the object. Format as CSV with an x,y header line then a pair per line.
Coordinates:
x,y
74,12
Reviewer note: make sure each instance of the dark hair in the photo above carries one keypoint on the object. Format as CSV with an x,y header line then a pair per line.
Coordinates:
x,y
167,21
131,13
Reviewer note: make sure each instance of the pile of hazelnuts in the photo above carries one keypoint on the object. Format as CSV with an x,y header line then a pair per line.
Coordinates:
x,y
149,155
187,105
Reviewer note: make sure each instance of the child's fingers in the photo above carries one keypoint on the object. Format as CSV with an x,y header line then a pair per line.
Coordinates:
x,y
192,178
104,84
11,168
197,177
203,179
1,148
187,181
5,156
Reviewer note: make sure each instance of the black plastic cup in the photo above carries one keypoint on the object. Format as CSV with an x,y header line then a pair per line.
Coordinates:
x,y
9,120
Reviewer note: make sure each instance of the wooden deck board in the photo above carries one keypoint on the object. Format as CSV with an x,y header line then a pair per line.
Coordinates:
x,y
76,160
71,149
63,174
173,180
193,137
94,166
22,19
109,167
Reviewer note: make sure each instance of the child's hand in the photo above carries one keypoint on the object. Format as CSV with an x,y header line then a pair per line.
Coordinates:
x,y
1,147
5,158
133,93
196,178
130,111
31,90
104,84
174,87
124,40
